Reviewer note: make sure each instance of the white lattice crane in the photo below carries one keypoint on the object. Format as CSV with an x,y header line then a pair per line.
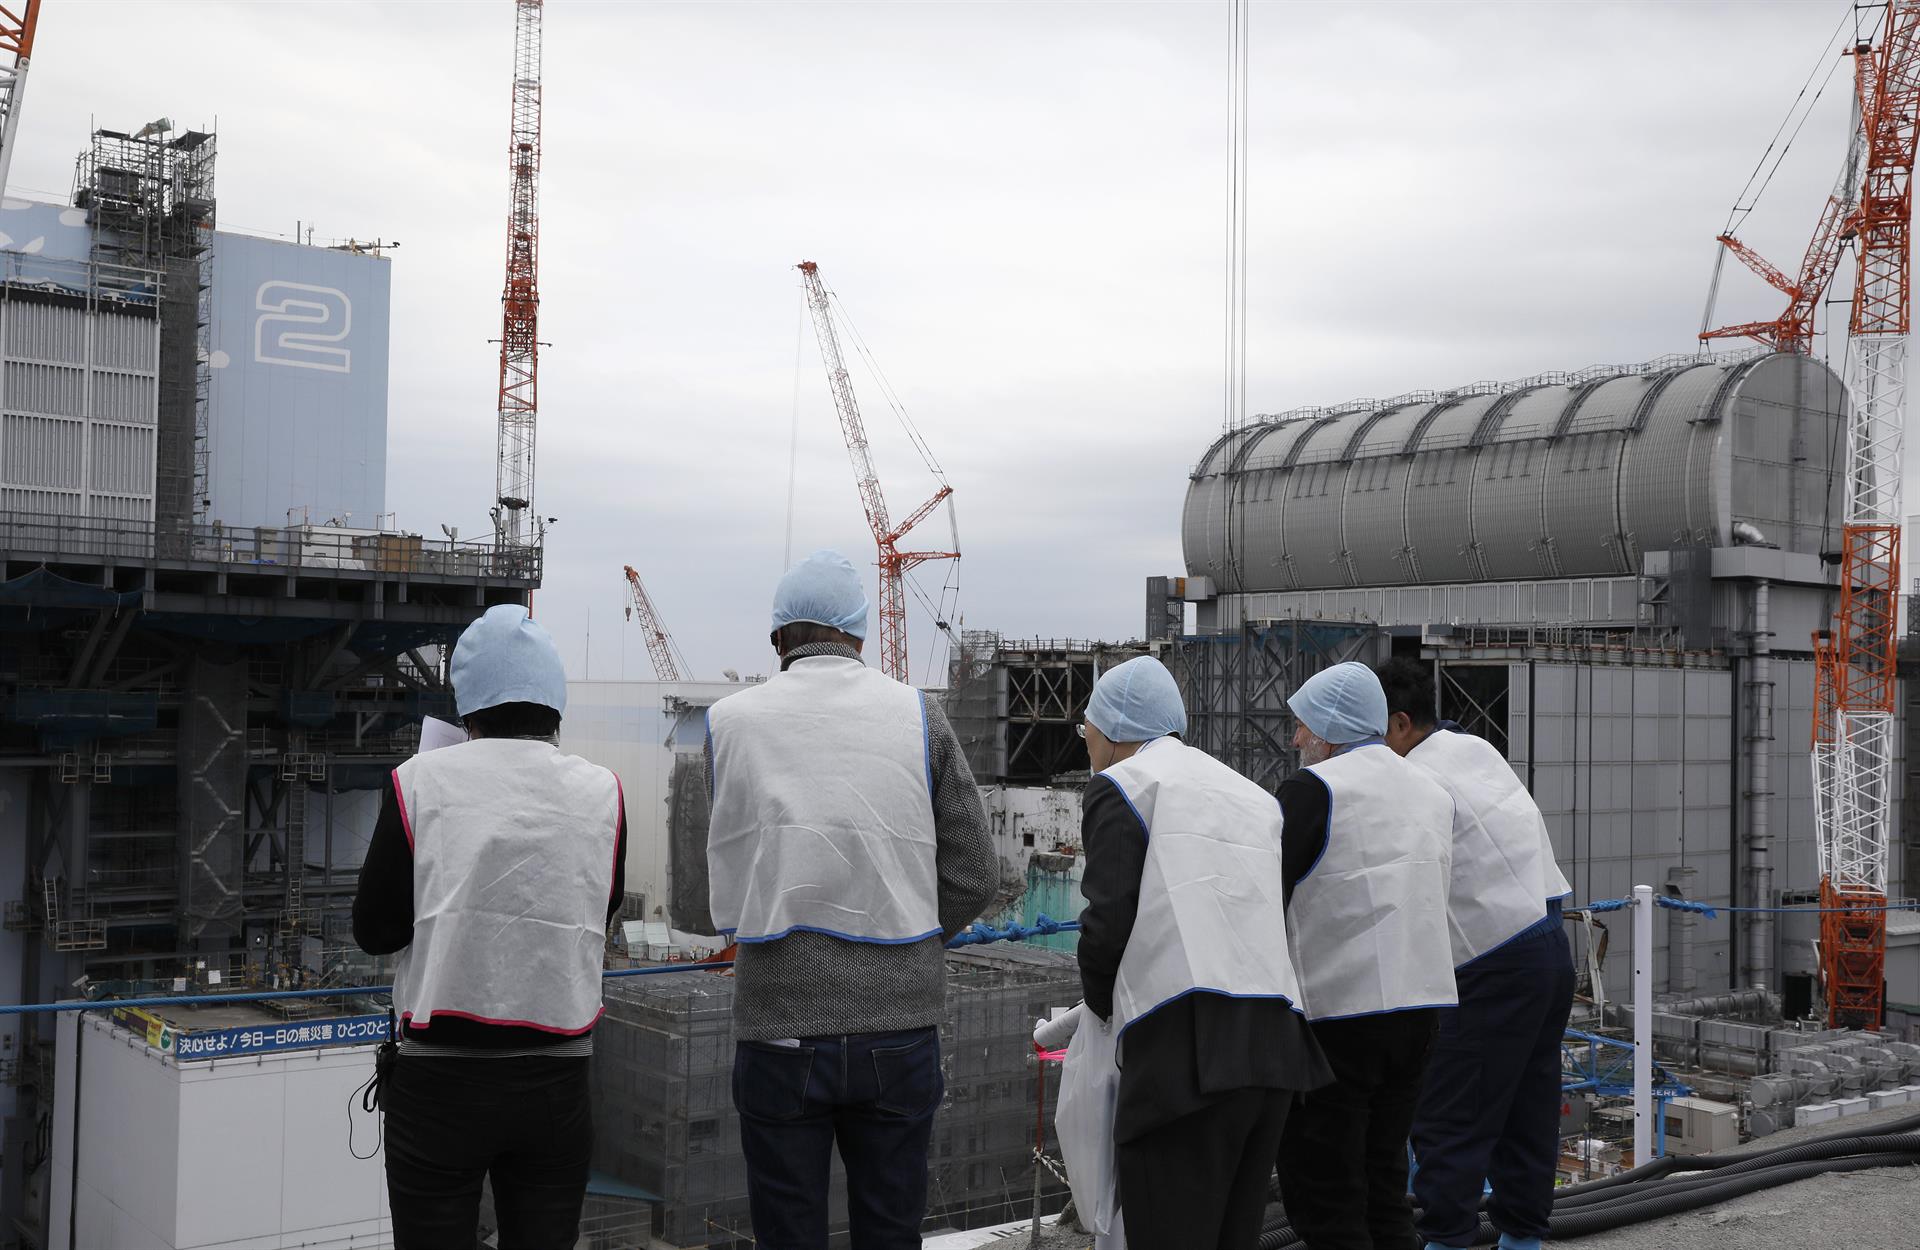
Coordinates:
x,y
16,43
515,522
1861,688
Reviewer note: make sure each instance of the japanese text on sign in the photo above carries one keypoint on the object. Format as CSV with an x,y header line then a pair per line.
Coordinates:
x,y
221,1043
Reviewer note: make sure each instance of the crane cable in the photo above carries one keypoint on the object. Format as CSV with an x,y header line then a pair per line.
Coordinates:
x,y
1235,380
887,392
793,436
1737,213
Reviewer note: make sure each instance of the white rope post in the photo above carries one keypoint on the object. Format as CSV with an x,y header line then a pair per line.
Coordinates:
x,y
1642,1024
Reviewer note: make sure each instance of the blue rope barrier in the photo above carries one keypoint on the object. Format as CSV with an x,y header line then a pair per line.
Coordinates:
x,y
1043,926
1712,910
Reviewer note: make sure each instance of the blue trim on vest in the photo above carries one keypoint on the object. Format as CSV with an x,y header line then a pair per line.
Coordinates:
x,y
1384,1011
832,933
926,741
1326,842
1128,800
1201,989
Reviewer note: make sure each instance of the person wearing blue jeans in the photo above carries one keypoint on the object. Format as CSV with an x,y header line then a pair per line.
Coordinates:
x,y
847,844
873,1095
1490,1109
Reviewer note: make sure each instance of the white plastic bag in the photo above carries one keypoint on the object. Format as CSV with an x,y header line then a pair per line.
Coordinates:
x,y
1089,1090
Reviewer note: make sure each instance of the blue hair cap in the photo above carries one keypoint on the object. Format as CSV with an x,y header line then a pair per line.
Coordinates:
x,y
823,589
1137,702
507,657
1341,704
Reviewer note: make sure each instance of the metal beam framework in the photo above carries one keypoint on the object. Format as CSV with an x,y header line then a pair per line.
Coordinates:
x,y
1237,686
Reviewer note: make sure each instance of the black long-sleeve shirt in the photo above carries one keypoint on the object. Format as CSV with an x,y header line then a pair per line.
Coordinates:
x,y
383,923
1192,1051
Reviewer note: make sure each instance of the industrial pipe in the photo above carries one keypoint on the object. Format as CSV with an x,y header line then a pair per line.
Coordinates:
x,y
1732,1003
1680,925
1759,943
1642,1023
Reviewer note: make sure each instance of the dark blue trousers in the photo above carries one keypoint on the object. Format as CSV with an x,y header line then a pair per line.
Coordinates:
x,y
874,1094
1490,1111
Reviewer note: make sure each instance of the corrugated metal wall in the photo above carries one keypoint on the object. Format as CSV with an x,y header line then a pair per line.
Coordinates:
x,y
78,395
1638,771
1542,479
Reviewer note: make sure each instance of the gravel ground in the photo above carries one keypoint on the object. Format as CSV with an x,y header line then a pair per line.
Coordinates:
x,y
1877,1210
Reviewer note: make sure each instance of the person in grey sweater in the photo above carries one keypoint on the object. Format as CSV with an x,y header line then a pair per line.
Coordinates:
x,y
847,845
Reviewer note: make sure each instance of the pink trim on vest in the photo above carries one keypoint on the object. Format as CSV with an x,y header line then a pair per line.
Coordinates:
x,y
619,821
401,799
518,1024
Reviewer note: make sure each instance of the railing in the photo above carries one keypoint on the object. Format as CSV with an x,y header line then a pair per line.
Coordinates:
x,y
263,548
110,283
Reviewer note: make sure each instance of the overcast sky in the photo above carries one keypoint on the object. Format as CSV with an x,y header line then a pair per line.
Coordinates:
x,y
1020,204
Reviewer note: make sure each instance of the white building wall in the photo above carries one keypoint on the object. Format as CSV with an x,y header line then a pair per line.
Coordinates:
x,y
624,725
229,1154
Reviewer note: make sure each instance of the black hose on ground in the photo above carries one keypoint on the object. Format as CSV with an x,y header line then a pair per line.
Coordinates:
x,y
1656,1205
1644,1193
1708,1168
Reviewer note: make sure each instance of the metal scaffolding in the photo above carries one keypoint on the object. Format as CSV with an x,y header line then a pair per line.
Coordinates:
x,y
149,199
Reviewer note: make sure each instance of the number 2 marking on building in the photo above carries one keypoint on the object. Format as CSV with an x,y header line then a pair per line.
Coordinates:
x,y
299,324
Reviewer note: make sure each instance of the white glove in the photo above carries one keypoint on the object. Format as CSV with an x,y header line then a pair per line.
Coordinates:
x,y
1057,1032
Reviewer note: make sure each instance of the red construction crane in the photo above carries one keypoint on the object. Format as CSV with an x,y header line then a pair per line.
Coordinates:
x,y
16,37
893,562
668,663
514,521
1859,806
1855,693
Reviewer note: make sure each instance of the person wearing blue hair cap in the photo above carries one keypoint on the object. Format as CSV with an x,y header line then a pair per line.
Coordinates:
x,y
847,844
1369,838
1183,954
492,859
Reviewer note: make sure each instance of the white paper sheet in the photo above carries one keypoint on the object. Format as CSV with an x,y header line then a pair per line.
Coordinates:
x,y
435,733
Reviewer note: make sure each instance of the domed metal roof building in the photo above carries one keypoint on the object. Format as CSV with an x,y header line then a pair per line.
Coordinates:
x,y
1559,476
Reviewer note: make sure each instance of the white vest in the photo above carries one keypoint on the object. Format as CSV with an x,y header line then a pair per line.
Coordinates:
x,y
1503,867
1211,916
1369,920
823,808
513,847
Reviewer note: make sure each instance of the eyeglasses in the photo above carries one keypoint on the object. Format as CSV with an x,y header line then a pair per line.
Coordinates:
x,y
1080,731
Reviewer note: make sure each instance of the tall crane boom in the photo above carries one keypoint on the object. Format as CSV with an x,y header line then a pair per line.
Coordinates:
x,y
668,663
16,38
515,522
1859,809
893,562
